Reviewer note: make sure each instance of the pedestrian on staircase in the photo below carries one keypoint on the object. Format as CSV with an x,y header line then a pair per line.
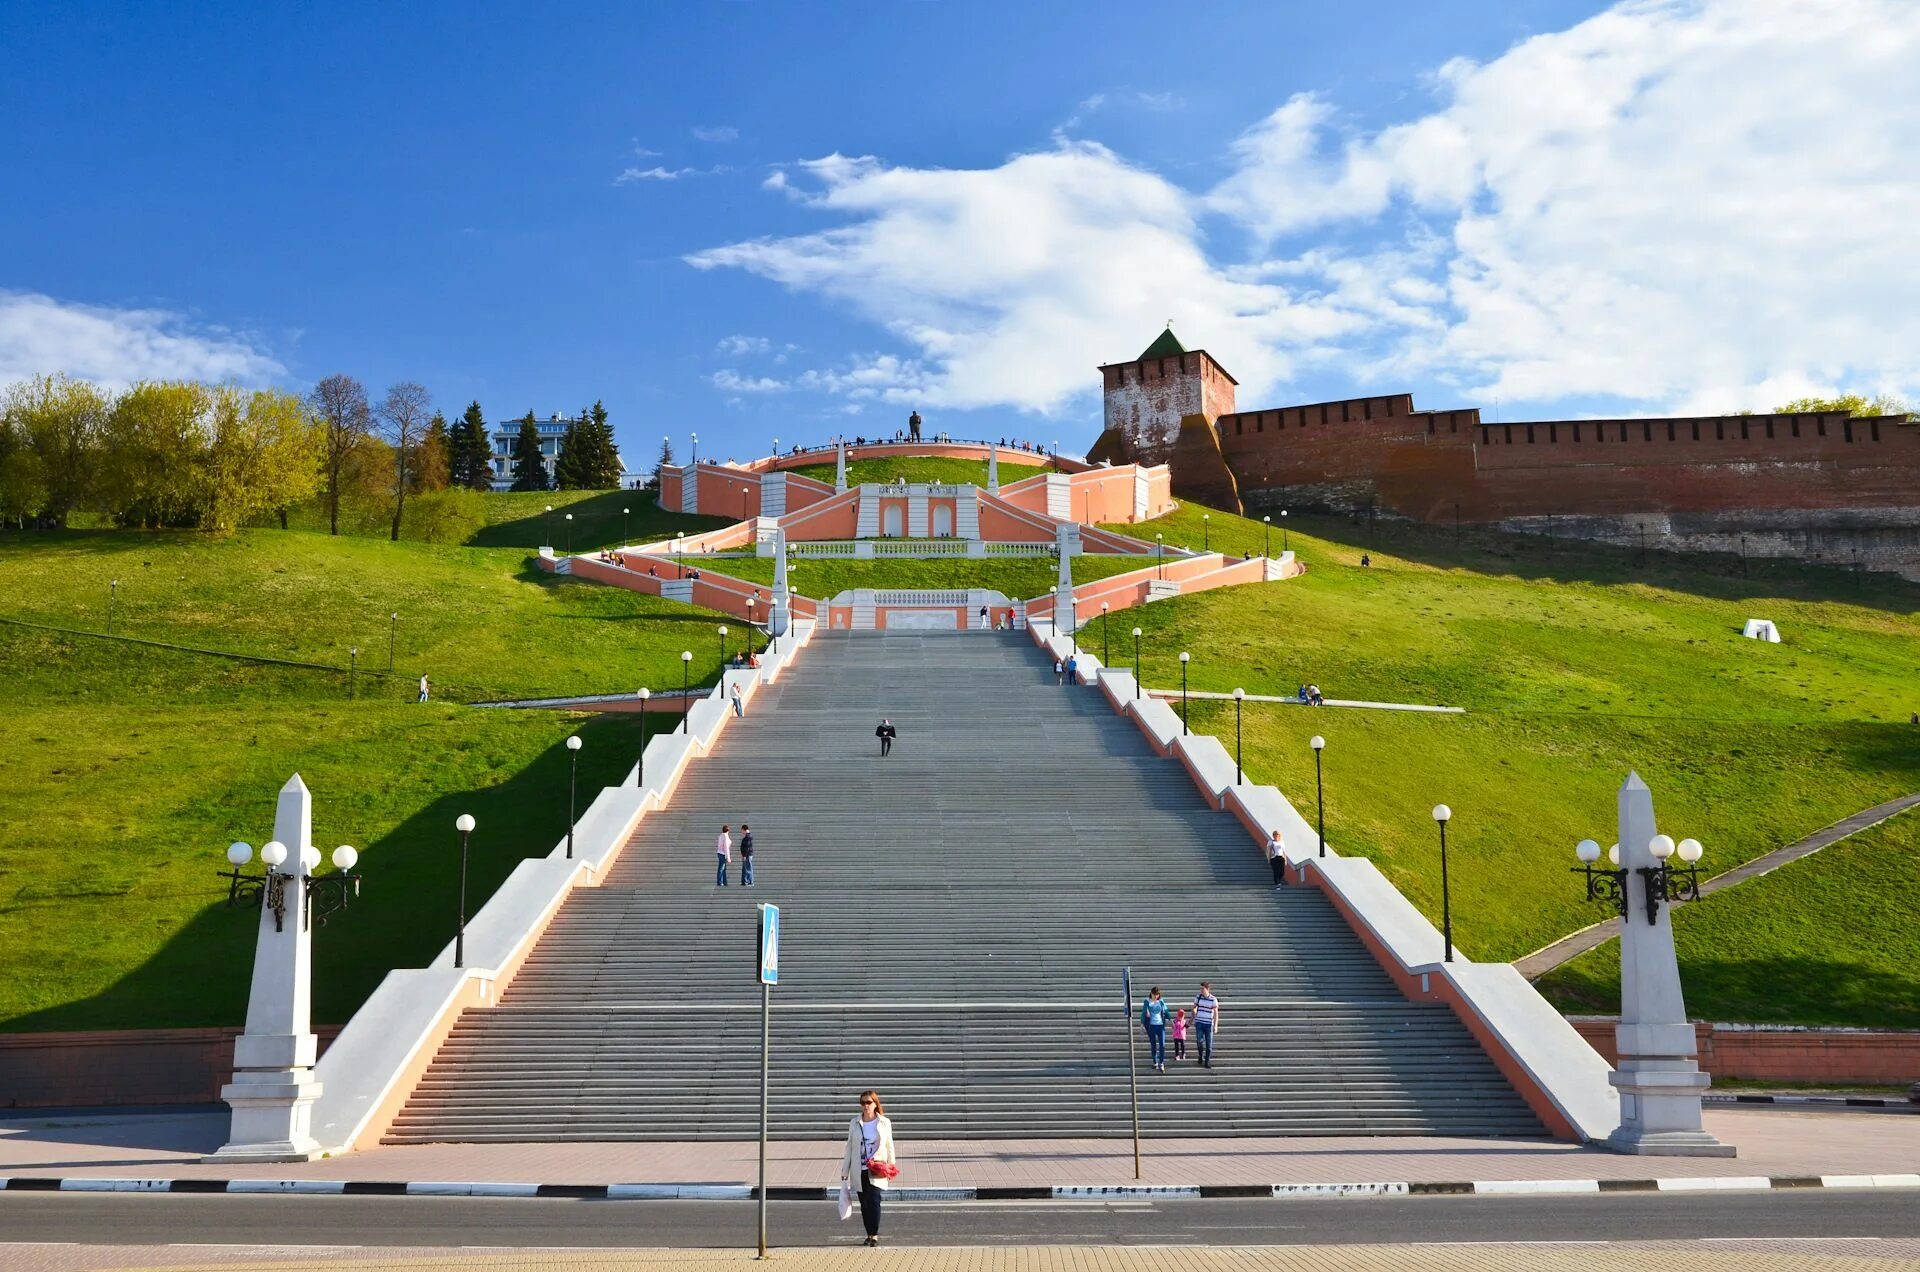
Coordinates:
x,y
869,1165
1180,1034
746,855
1206,1019
724,850
1059,672
1073,668
739,703
1276,859
1153,1016
886,733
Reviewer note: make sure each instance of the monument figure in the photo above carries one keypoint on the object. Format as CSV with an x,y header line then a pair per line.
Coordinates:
x,y
913,426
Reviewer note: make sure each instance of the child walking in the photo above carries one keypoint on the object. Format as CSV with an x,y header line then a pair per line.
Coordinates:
x,y
1180,1034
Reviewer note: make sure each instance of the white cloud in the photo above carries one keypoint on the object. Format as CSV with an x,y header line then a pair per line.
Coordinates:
x,y
730,381
1093,105
715,132
1694,205
655,173
116,347
740,346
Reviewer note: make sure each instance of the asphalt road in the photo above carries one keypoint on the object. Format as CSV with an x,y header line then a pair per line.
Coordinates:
x,y
160,1219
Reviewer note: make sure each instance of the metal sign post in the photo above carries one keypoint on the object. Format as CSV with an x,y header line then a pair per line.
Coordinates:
x,y
1133,1063
769,975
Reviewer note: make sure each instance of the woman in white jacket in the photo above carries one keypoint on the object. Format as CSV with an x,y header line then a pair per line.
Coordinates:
x,y
869,1139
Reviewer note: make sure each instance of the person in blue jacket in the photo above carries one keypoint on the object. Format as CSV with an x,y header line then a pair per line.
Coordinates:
x,y
1154,1014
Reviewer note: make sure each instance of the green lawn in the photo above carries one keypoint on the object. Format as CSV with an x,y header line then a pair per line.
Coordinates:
x,y
924,468
1833,939
1021,578
479,622
1576,664
518,519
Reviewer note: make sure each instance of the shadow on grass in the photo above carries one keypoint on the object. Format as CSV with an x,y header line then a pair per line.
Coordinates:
x,y
597,523
405,913
1716,576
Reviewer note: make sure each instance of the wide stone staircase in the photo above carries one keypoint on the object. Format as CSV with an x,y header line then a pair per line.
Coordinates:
x,y
954,920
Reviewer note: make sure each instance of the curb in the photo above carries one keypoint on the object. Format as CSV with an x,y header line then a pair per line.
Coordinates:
x,y
1819,1101
1076,1192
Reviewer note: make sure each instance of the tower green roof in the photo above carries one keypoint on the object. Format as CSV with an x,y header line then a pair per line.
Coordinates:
x,y
1165,345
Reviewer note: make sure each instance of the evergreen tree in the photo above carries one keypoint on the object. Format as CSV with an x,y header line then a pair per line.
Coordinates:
x,y
569,467
529,472
601,465
665,460
430,469
471,464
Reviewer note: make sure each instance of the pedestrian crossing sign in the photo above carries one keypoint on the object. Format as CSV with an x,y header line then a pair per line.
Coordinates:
x,y
769,945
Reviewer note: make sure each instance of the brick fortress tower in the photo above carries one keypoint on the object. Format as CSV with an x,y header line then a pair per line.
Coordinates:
x,y
1820,486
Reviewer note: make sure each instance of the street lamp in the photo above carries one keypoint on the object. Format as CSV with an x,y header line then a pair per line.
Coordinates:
x,y
1184,656
547,523
640,770
113,592
464,824
573,785
1660,882
723,644
625,536
1283,530
1319,744
686,669
1136,663
1206,531
750,603
1106,637
323,894
693,453
1441,816
353,672
393,626
1159,556
1239,696
1266,535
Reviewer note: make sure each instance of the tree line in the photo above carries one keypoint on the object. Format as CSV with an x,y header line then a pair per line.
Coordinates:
x,y
179,453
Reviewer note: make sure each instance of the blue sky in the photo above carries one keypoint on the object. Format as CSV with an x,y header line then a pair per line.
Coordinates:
x,y
760,219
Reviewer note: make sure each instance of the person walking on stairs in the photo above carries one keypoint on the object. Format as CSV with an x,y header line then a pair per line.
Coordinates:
x,y
739,703
1180,1034
868,1165
1206,1020
1059,672
746,855
886,733
1276,859
1153,1016
723,850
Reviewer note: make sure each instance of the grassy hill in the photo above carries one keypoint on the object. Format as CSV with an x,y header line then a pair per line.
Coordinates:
x,y
1021,578
128,766
1574,668
925,468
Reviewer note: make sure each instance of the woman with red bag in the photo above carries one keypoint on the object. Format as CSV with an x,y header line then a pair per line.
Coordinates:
x,y
868,1164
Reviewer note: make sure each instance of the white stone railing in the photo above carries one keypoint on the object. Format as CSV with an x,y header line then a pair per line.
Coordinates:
x,y
956,596
919,548
1021,549
823,548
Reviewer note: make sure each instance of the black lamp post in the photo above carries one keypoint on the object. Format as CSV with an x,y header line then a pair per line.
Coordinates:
x,y
113,592
1206,531
547,525
353,672
625,536
393,627
464,824
1441,815
573,786
640,769
686,670
1266,535
1159,557
1106,637
1319,744
1284,544
1136,663
569,534
750,603
1239,696
693,452
1184,657
723,645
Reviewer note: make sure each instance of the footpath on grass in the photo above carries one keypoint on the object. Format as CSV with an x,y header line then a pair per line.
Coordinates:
x,y
149,1150
1571,946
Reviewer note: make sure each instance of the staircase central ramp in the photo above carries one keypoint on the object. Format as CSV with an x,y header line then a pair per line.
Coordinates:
x,y
955,918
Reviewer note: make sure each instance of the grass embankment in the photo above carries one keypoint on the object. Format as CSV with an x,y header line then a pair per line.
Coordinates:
x,y
916,468
128,768
1021,578
1575,669
1833,939
519,519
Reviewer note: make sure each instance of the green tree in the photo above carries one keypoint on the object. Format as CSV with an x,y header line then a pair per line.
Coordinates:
x,y
529,470
404,413
664,461
601,462
471,463
153,446
570,465
346,427
23,488
1852,403
60,420
264,454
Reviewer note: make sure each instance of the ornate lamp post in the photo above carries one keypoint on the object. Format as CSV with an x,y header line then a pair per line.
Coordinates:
x,y
640,770
464,824
686,671
1136,663
1184,657
320,895
1319,744
573,786
1239,696
393,629
1441,816
1106,637
1657,1075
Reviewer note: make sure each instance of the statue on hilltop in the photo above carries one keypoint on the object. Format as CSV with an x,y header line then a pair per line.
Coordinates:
x,y
913,426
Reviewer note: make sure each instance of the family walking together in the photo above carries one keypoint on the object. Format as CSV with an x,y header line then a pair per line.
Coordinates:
x,y
1157,1017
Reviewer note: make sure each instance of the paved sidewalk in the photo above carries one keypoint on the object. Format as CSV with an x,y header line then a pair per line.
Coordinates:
x,y
1830,1255
1543,960
1774,1143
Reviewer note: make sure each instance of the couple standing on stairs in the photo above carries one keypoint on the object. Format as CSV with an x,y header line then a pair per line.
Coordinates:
x,y
723,850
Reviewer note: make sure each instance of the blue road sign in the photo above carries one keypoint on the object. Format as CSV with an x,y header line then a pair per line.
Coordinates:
x,y
1126,992
769,944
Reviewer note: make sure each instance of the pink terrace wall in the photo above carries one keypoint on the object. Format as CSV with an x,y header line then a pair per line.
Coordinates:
x,y
1828,1057
120,1066
721,592
835,518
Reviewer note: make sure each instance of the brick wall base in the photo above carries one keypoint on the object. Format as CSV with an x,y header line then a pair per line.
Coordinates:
x,y
119,1066
1790,1055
